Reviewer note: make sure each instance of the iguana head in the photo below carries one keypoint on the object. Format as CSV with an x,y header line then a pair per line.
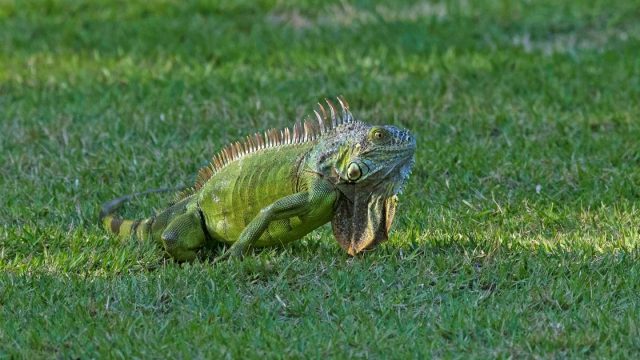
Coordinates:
x,y
369,165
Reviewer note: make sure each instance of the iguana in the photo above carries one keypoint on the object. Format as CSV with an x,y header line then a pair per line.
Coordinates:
x,y
275,188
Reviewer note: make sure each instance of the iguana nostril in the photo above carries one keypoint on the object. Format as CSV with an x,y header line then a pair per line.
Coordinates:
x,y
354,172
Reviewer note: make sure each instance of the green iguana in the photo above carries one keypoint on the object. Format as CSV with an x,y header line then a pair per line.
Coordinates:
x,y
275,188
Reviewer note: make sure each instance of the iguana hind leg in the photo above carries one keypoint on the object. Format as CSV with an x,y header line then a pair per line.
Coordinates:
x,y
183,236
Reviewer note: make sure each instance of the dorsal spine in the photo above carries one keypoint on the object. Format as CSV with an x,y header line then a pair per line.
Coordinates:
x,y
302,132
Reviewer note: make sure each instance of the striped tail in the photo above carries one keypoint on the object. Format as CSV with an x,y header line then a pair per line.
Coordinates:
x,y
125,227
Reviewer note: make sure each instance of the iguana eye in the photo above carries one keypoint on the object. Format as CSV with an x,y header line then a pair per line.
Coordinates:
x,y
378,135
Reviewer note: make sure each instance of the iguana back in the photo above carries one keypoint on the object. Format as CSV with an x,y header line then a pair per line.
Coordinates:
x,y
232,197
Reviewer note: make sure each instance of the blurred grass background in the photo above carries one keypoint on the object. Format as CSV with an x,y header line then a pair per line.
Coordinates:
x,y
517,235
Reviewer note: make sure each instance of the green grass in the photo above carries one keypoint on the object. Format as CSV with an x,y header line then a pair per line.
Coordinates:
x,y
517,235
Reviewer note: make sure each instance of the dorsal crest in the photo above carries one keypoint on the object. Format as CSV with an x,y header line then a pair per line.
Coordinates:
x,y
301,132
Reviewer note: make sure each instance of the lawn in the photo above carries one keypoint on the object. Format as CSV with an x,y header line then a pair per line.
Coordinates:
x,y
517,235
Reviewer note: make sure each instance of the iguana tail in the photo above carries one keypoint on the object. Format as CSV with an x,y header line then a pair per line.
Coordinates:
x,y
124,227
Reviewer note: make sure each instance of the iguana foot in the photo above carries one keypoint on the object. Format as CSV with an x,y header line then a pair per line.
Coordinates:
x,y
234,252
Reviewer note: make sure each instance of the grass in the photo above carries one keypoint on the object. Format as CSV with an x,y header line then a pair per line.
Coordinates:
x,y
517,235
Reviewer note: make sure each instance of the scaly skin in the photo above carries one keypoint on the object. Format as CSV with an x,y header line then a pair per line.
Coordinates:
x,y
275,189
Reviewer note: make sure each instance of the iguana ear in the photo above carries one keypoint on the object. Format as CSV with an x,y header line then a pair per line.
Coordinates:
x,y
364,222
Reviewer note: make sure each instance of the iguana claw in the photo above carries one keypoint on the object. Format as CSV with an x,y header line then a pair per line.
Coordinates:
x,y
230,253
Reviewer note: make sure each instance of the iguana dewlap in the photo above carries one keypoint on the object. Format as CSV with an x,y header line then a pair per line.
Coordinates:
x,y
275,188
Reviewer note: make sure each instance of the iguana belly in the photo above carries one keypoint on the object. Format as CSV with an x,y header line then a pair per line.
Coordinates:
x,y
233,196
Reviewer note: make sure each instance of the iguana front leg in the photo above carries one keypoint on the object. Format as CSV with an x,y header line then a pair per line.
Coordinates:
x,y
284,208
